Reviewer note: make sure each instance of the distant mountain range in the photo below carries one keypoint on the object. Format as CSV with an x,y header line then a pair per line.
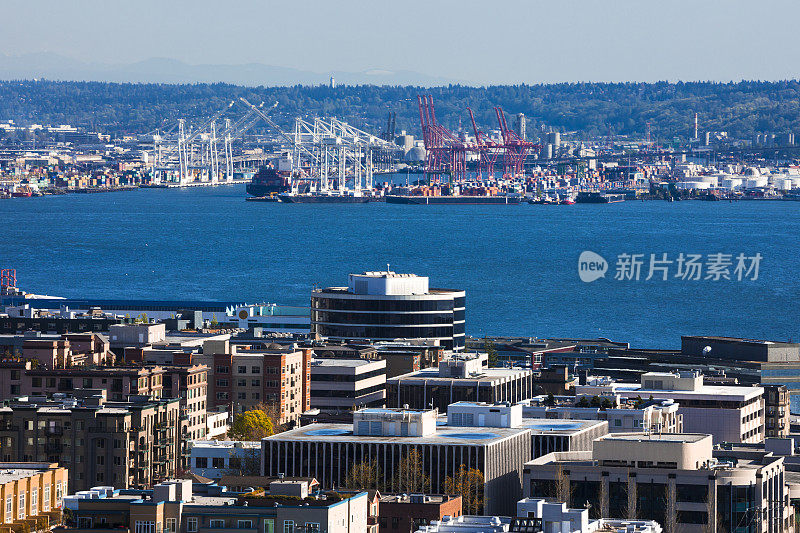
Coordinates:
x,y
161,70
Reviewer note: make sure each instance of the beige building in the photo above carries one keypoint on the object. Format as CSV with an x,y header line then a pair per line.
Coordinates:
x,y
121,444
31,495
71,349
680,481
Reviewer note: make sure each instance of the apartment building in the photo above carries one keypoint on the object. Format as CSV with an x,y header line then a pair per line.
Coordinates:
x,y
730,413
31,495
178,507
776,419
216,458
347,384
58,351
242,377
675,479
124,444
461,378
189,383
407,512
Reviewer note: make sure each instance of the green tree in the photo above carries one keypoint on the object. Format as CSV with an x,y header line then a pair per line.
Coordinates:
x,y
251,425
469,484
409,475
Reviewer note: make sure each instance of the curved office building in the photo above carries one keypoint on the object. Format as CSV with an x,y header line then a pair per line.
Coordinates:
x,y
389,306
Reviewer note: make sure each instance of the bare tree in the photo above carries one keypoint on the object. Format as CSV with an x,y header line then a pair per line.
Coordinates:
x,y
563,486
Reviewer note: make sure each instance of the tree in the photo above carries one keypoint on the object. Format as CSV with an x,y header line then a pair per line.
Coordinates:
x,y
251,425
410,476
214,322
364,476
563,486
244,462
469,484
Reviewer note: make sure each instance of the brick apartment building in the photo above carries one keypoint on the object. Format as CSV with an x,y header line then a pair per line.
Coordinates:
x,y
243,377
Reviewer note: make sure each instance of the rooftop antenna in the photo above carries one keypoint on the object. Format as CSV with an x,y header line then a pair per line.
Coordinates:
x,y
387,268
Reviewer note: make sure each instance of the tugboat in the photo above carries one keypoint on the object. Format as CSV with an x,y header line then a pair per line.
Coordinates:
x,y
268,181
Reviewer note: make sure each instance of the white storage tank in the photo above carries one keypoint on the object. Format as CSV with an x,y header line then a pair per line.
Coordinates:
x,y
753,183
690,185
731,183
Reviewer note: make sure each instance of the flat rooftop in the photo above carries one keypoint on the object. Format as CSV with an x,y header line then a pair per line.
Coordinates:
x,y
225,444
341,362
548,426
657,437
452,435
15,471
486,375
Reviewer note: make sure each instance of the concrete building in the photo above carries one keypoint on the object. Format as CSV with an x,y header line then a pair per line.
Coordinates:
x,y
468,524
661,416
126,444
461,378
58,350
740,349
178,507
216,458
242,377
31,495
136,335
407,512
328,451
557,518
386,306
347,384
217,424
676,480
728,413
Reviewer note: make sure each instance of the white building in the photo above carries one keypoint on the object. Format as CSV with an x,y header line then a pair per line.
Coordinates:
x,y
216,458
555,517
729,413
217,424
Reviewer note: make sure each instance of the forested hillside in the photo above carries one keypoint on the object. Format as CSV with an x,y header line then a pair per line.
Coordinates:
x,y
742,108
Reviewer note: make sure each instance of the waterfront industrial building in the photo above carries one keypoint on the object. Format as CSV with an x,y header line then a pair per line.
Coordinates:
x,y
386,306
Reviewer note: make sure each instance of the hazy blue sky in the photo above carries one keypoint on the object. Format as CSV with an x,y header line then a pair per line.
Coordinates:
x,y
481,42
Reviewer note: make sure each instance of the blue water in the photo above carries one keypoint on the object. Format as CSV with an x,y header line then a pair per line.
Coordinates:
x,y
518,264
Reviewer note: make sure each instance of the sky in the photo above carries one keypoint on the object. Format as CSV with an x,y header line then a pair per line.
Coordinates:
x,y
486,42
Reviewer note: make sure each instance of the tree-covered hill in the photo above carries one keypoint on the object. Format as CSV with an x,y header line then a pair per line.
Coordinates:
x,y
743,109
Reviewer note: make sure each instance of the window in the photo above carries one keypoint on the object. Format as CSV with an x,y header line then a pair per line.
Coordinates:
x,y
395,522
222,396
58,494
191,524
241,383
255,382
222,383
245,524
46,498
34,501
617,422
218,462
217,523
201,462
21,511
243,370
312,527
10,509
255,370
170,525
288,526
145,526
241,395
85,522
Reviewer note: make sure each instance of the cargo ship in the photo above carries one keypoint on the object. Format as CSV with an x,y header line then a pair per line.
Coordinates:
x,y
321,198
268,181
598,198
452,200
